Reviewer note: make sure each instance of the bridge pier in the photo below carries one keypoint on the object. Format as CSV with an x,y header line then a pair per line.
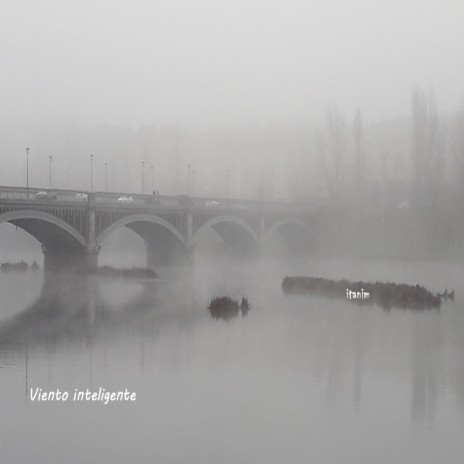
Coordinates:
x,y
91,249
190,245
91,259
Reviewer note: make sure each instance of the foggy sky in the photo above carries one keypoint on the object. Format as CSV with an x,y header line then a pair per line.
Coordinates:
x,y
209,62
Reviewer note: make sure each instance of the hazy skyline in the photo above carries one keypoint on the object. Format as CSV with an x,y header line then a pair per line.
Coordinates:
x,y
209,63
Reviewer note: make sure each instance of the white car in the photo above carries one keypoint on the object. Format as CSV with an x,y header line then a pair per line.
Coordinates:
x,y
211,203
126,200
45,196
403,205
82,197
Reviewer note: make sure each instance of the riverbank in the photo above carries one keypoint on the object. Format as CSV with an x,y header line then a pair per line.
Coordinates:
x,y
126,273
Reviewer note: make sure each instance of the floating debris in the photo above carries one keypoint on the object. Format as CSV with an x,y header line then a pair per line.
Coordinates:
x,y
244,306
387,295
223,308
447,296
227,308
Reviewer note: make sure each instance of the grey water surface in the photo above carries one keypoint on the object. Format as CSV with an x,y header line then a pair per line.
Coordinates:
x,y
299,380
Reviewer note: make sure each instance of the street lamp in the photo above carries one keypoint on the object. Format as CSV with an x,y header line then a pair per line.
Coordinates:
x,y
193,182
91,173
27,171
227,185
50,171
189,176
106,177
152,176
143,172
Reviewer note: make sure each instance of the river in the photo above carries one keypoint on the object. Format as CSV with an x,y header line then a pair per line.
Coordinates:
x,y
297,380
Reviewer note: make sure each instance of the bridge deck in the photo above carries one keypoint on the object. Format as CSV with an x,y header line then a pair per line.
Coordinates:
x,y
23,196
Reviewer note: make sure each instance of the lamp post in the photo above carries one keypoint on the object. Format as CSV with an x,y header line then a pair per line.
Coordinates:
x,y
143,172
50,171
227,185
193,182
27,171
91,172
106,177
152,176
189,176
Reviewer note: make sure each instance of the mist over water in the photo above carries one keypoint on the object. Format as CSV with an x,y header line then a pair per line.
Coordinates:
x,y
296,379
265,139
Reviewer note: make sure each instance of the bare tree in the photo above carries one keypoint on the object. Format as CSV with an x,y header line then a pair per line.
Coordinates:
x,y
458,149
360,175
332,150
427,150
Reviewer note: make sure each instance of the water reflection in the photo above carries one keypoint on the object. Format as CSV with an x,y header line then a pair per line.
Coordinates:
x,y
296,370
80,307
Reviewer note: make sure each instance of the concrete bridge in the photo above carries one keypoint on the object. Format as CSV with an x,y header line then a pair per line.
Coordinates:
x,y
72,227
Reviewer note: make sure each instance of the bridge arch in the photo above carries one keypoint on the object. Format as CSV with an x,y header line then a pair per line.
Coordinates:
x,y
224,219
138,218
48,229
285,222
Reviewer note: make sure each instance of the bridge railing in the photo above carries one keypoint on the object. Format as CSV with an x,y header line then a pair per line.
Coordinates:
x,y
138,199
253,205
172,201
210,203
23,193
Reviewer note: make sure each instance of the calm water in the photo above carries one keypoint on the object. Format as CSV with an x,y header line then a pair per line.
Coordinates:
x,y
298,380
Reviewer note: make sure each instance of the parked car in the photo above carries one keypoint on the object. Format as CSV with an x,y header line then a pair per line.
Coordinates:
x,y
45,196
82,197
211,203
125,200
